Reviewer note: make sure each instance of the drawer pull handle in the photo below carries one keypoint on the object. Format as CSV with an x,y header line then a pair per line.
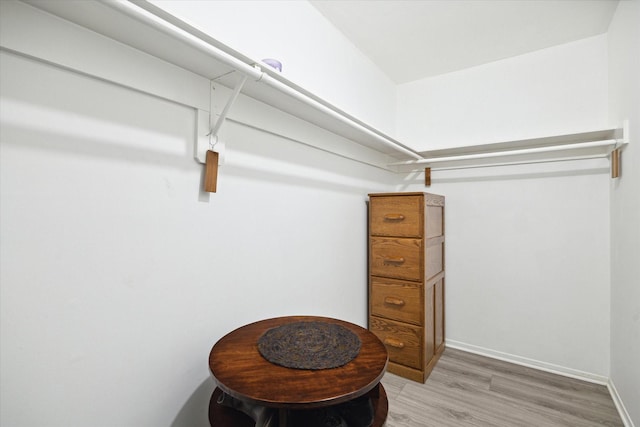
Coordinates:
x,y
394,217
394,343
394,260
394,301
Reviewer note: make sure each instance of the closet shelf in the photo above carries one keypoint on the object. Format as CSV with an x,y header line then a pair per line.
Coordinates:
x,y
150,29
577,146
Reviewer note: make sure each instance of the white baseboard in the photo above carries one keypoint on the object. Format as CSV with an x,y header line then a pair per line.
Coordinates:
x,y
530,363
549,367
626,418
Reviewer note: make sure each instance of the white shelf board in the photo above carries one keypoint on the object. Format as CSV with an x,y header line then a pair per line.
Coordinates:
x,y
583,145
115,22
147,28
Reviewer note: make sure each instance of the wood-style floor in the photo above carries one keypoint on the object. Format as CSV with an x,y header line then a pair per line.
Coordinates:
x,y
465,389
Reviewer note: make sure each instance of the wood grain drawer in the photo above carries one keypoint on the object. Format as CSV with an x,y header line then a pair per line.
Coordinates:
x,y
396,216
403,341
399,258
406,279
397,300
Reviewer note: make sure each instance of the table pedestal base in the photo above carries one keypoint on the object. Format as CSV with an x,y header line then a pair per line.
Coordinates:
x,y
225,416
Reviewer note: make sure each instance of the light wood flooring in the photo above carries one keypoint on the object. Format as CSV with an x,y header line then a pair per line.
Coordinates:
x,y
465,389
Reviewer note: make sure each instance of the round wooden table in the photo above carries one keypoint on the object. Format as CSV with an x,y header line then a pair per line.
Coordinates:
x,y
241,372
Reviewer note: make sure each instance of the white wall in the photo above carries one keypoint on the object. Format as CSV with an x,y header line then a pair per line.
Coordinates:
x,y
118,274
553,91
527,246
314,54
527,260
624,90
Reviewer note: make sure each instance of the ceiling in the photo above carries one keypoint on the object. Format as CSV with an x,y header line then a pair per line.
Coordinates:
x,y
413,39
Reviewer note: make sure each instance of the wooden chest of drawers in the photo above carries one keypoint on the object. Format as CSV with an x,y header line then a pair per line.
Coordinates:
x,y
406,279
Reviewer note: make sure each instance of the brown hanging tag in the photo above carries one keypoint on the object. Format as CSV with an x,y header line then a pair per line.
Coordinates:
x,y
615,163
427,177
211,172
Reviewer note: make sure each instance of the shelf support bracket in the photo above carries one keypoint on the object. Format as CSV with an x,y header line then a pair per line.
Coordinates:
x,y
208,127
215,127
212,157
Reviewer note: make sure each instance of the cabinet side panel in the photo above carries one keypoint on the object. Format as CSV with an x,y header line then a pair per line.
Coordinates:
x,y
439,313
434,221
429,320
434,258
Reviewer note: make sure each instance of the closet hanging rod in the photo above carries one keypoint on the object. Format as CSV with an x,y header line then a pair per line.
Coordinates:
x,y
157,18
292,92
516,152
505,163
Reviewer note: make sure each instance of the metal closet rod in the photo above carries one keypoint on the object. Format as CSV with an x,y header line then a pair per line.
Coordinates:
x,y
514,152
505,163
149,14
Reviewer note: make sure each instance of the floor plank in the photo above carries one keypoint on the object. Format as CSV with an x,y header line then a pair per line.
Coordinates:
x,y
466,389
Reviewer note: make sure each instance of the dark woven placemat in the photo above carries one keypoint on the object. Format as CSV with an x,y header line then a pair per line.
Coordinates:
x,y
309,345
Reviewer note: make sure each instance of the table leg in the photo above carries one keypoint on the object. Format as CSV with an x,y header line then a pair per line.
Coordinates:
x,y
282,416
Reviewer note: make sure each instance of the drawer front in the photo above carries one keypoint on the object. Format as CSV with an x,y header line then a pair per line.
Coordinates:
x,y
403,342
397,300
398,258
396,216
